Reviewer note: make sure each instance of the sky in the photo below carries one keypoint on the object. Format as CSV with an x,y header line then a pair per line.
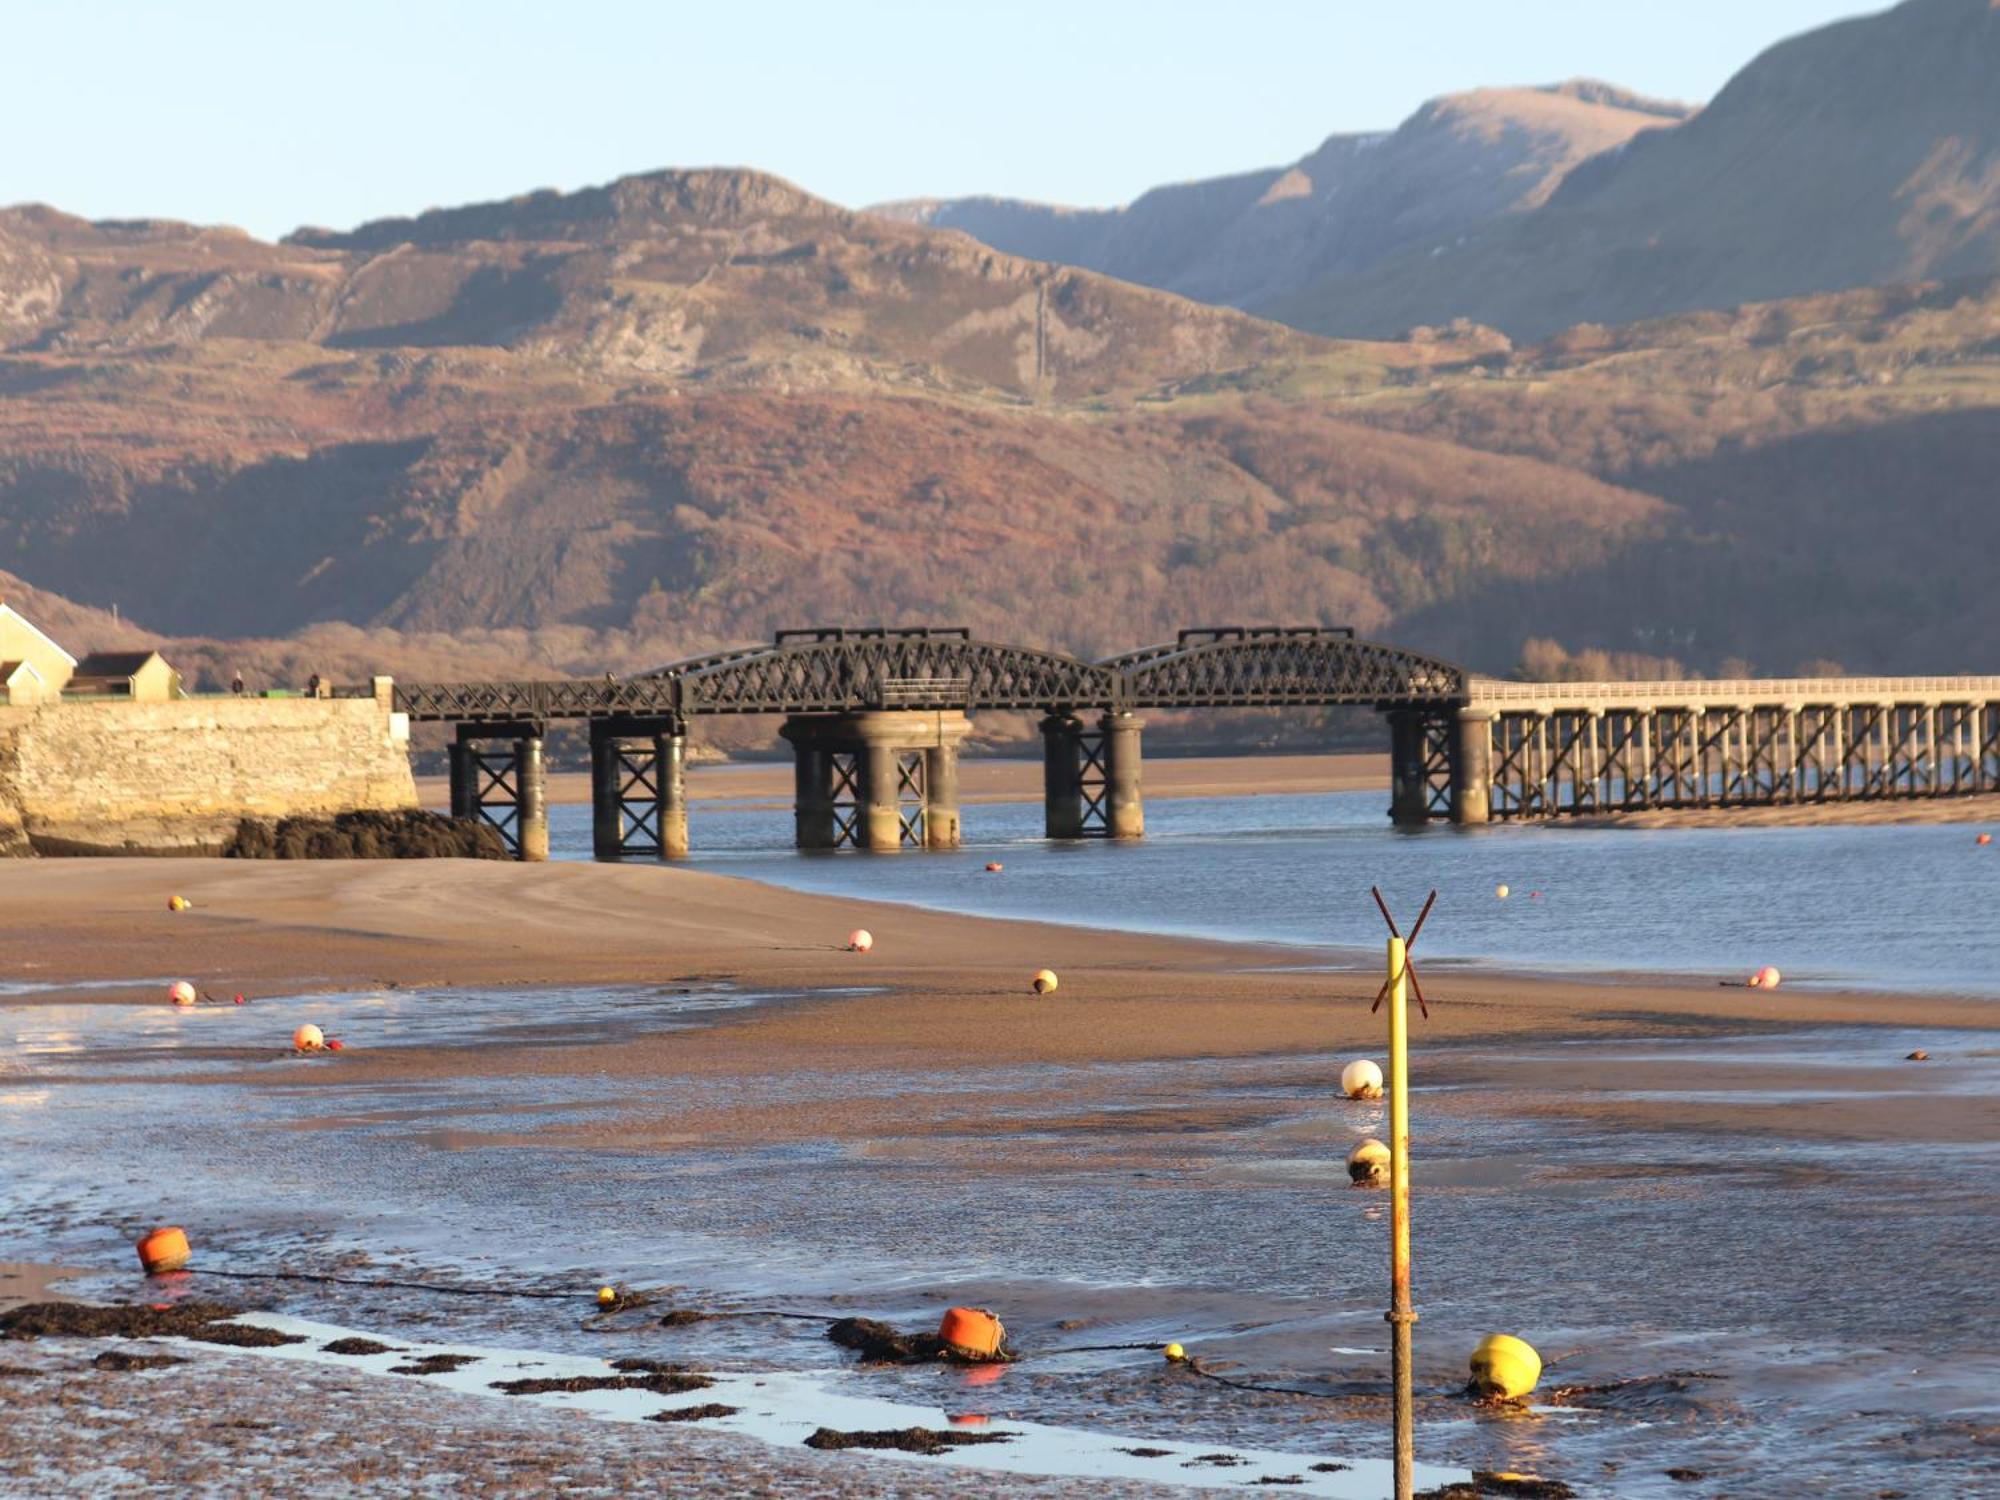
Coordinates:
x,y
271,115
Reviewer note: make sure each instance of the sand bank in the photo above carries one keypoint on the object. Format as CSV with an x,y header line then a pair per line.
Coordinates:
x,y
953,990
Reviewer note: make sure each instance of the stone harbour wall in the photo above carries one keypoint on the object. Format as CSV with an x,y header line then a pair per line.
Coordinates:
x,y
175,778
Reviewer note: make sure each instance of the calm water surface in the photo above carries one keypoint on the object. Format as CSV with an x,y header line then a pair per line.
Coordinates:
x,y
1905,907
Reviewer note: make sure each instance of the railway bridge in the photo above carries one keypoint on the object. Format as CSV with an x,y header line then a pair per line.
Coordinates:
x,y
875,718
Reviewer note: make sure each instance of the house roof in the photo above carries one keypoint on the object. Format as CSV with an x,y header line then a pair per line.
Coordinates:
x,y
14,614
113,663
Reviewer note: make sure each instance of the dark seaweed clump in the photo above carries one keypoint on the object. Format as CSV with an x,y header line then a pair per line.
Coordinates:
x,y
1513,1486
660,1382
125,1359
357,1346
200,1321
1148,1452
902,1439
699,1413
434,1364
881,1344
366,835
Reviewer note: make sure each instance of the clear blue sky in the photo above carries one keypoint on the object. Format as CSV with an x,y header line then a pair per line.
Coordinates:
x,y
269,115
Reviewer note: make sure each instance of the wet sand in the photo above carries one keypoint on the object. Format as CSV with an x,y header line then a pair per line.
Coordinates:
x,y
769,783
949,998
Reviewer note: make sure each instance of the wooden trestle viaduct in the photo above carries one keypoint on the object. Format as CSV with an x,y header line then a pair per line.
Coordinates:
x,y
875,718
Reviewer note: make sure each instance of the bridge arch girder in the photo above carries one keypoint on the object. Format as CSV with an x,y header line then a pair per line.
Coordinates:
x,y
1279,666
840,671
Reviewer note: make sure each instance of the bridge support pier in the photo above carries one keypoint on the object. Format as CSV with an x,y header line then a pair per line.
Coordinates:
x,y
503,787
1472,767
533,806
881,780
1124,812
1409,782
1091,777
638,789
1062,776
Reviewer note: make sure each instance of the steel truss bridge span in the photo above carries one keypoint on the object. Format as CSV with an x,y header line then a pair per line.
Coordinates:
x,y
853,671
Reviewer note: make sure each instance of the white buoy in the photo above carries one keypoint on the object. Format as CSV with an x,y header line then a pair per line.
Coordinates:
x,y
1361,1079
860,940
182,993
1368,1164
309,1038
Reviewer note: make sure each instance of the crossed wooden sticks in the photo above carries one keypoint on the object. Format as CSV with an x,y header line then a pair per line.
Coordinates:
x,y
1409,965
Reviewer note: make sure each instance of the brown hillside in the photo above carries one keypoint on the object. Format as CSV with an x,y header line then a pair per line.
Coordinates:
x,y
711,278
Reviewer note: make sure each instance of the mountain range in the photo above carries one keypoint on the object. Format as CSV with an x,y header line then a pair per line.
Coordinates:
x,y
589,431
1861,154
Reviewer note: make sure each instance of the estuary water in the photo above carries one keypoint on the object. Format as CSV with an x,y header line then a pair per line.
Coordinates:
x,y
1909,907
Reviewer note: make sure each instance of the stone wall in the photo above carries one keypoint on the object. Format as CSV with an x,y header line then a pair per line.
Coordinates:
x,y
118,777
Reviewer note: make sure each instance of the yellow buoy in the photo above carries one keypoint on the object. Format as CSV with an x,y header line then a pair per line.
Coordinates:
x,y
606,1295
1045,982
1174,1353
1361,1079
1368,1164
1505,1366
1502,891
178,903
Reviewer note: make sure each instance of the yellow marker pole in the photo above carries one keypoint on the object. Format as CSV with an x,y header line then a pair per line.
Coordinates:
x,y
1399,1316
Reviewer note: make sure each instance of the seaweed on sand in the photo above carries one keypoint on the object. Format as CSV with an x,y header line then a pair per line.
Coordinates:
x,y
203,1322
881,1344
699,1413
902,1439
660,1382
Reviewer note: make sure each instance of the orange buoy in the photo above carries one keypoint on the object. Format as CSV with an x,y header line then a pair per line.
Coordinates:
x,y
993,867
182,993
967,1418
1984,838
308,1038
334,1044
1045,982
972,1332
1765,978
860,940
164,1250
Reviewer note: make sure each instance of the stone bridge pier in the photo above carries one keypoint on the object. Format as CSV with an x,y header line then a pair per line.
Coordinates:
x,y
878,779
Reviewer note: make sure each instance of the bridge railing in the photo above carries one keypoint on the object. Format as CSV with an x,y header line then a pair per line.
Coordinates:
x,y
1488,690
902,691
